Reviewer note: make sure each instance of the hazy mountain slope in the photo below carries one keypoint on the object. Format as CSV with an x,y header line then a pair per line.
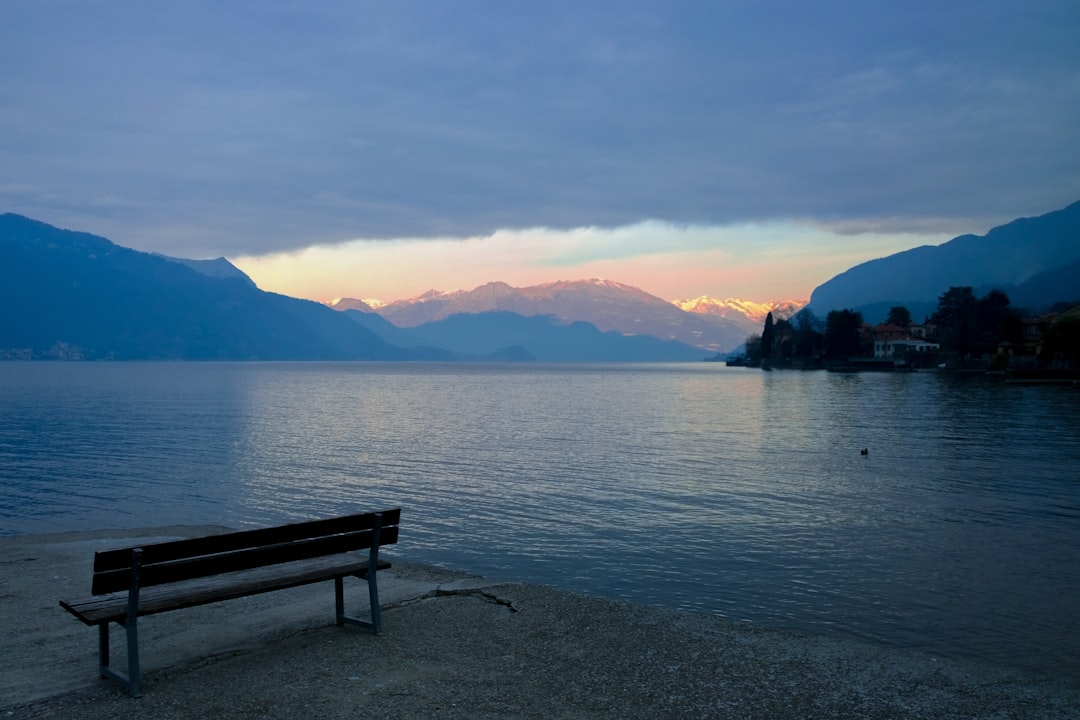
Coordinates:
x,y
1007,255
73,294
548,339
392,334
217,268
1045,289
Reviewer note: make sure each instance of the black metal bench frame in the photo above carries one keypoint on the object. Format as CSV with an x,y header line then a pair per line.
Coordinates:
x,y
132,582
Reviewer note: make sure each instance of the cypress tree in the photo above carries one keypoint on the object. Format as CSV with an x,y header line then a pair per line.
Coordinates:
x,y
768,334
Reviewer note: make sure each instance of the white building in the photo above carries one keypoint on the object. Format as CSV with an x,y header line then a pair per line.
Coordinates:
x,y
902,348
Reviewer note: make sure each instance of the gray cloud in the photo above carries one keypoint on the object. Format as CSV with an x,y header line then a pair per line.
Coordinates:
x,y
196,129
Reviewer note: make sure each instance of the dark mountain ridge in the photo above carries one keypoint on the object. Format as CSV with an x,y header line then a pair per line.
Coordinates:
x,y
74,295
78,296
1026,250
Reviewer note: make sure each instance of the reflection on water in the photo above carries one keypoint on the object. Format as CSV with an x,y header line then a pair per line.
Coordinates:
x,y
714,489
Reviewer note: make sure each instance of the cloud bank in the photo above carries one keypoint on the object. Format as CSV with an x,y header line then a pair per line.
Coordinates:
x,y
206,128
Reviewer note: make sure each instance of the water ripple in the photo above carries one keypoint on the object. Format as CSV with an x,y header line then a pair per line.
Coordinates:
x,y
722,491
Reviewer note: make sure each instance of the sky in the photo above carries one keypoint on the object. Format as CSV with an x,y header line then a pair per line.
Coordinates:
x,y
730,148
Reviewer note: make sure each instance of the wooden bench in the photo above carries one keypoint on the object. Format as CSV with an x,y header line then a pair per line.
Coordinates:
x,y
136,581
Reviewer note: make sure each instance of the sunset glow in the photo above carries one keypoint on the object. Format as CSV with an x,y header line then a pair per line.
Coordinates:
x,y
760,262
381,150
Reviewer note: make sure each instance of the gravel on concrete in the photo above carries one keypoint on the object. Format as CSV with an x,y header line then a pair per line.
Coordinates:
x,y
456,645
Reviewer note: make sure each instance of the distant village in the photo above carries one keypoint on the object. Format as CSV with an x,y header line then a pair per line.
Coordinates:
x,y
965,333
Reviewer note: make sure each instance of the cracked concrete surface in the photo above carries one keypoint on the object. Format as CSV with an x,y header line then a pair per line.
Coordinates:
x,y
55,653
443,591
460,646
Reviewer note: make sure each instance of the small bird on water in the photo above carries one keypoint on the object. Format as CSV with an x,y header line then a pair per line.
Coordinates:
x,y
864,451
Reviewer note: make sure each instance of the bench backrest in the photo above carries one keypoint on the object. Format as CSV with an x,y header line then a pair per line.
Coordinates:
x,y
216,554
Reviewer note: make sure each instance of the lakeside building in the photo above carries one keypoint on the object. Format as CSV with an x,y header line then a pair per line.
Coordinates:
x,y
902,348
895,342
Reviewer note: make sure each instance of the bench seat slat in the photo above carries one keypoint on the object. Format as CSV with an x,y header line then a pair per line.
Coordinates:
x,y
113,607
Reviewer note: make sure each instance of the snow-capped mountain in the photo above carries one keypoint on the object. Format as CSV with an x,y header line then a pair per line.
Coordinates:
x,y
364,305
609,305
734,308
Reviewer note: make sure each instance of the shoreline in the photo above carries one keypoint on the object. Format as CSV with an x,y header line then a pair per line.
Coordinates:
x,y
459,645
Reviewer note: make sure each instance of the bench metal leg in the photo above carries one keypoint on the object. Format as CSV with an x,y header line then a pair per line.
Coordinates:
x,y
339,600
132,681
375,624
373,596
373,586
134,674
103,649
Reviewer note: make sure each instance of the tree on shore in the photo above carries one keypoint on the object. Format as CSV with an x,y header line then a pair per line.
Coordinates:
x,y
899,316
753,349
1063,341
954,319
768,335
995,320
974,326
808,337
783,341
843,334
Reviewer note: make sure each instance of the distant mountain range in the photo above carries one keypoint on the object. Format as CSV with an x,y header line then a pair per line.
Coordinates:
x,y
502,335
712,325
72,295
1035,261
76,296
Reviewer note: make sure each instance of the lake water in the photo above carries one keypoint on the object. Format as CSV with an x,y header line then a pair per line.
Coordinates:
x,y
719,490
